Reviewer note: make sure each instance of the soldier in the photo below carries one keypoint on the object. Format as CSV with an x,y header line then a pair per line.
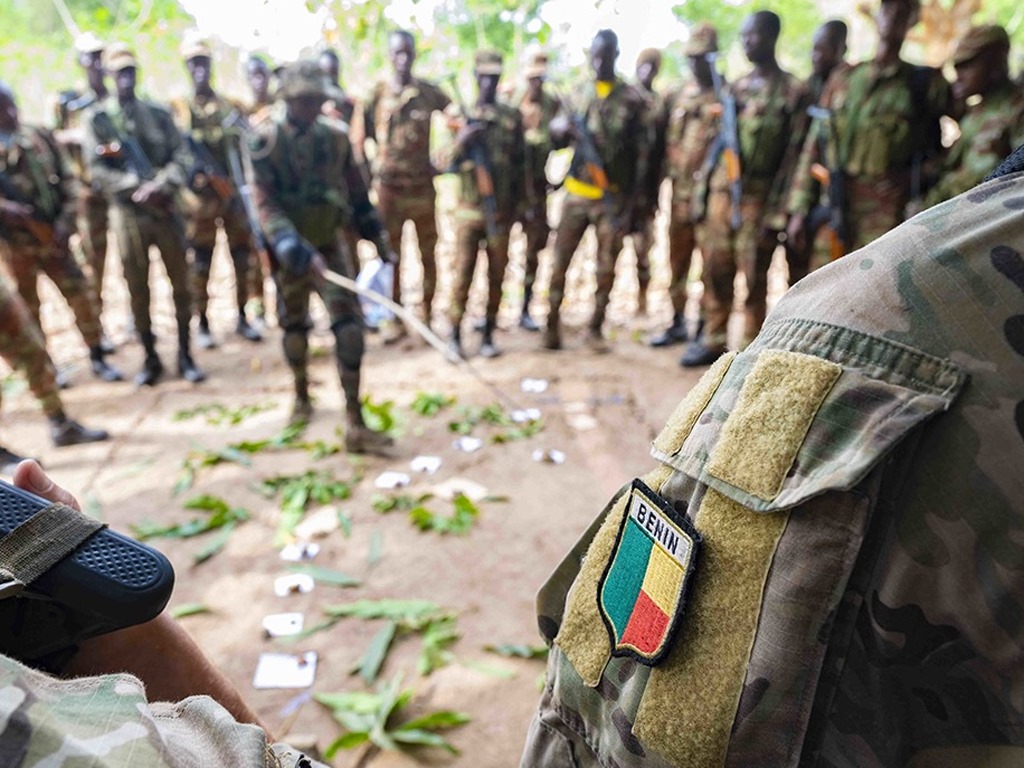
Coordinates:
x,y
137,159
827,56
308,188
257,73
215,201
692,124
886,120
854,603
343,107
489,156
605,184
991,127
22,346
37,198
538,108
397,119
648,64
91,213
769,101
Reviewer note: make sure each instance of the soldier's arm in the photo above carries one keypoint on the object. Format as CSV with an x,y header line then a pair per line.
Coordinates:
x,y
106,167
643,145
67,184
517,166
273,220
798,126
173,174
364,214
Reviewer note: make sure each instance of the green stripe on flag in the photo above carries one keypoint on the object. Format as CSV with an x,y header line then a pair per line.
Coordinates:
x,y
626,576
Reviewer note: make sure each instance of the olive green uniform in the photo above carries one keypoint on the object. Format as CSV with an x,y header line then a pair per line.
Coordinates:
x,y
23,347
503,146
643,236
399,125
767,114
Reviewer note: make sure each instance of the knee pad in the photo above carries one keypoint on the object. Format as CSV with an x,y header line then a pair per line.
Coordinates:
x,y
348,343
295,343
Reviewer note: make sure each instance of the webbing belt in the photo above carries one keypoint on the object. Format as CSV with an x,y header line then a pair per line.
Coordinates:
x,y
39,543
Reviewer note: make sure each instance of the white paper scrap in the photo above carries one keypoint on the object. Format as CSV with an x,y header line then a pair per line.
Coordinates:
x,y
285,670
283,624
389,481
428,465
534,386
293,584
468,444
299,551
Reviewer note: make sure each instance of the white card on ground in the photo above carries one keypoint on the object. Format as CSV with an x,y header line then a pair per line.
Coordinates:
x,y
389,481
550,456
534,386
468,444
299,551
293,584
285,670
283,624
428,465
526,415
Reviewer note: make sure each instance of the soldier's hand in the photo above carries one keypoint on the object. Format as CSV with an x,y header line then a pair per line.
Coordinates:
x,y
796,232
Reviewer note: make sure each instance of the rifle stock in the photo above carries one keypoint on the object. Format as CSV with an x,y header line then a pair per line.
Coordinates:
x,y
477,154
729,143
833,179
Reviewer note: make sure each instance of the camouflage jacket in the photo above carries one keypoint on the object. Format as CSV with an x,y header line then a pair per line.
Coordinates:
x,y
768,113
884,119
693,117
69,111
856,477
158,138
504,149
989,131
106,722
307,182
399,124
537,117
202,120
39,173
658,106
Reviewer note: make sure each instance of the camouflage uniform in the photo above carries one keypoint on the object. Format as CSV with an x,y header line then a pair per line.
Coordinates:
x,y
767,115
202,120
23,347
537,117
617,126
139,226
885,118
504,148
399,124
989,130
308,186
36,167
107,722
858,490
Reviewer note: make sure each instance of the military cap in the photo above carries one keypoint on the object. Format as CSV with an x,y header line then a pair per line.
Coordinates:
x,y
304,78
536,66
118,56
913,5
649,56
193,46
703,40
89,42
980,39
487,63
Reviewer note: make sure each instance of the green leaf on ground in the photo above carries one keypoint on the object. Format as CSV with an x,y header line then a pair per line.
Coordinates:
x,y
462,519
517,651
372,660
220,515
298,492
217,414
327,576
188,609
431,403
380,417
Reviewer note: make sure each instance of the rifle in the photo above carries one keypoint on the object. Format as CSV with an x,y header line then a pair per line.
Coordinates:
x,y
128,150
477,153
586,160
727,144
205,164
834,180
237,121
39,228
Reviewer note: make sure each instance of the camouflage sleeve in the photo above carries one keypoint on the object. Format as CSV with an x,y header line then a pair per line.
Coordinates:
x,y
439,99
364,215
173,174
518,165
450,154
799,125
643,134
69,184
108,173
263,148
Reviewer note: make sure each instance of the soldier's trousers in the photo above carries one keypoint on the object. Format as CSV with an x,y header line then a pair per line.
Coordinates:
x,y
136,230
203,222
23,347
469,237
346,317
725,252
643,241
577,215
537,231
26,263
875,207
92,222
398,204
682,239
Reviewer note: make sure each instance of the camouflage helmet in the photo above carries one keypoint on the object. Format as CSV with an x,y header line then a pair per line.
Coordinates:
x,y
980,39
487,63
650,56
118,56
703,40
194,47
304,78
536,66
89,42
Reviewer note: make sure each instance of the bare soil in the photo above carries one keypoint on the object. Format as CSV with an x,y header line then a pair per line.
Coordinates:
x,y
601,411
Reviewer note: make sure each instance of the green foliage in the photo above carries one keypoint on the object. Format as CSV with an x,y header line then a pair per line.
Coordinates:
x,y
188,609
380,417
431,403
220,517
472,415
327,576
298,492
460,522
402,502
518,651
373,718
217,414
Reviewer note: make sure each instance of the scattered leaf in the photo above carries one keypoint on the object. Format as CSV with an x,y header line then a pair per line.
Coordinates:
x,y
217,414
431,403
513,650
379,417
327,576
188,609
460,522
373,658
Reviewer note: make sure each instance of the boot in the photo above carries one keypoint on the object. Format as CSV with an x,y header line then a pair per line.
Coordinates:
x,y
302,412
65,431
699,354
552,335
152,368
187,368
641,302
101,367
526,322
359,438
674,334
246,331
487,348
204,339
597,343
455,343
698,332
9,460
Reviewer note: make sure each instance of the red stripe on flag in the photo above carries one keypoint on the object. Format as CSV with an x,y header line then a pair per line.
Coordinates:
x,y
647,626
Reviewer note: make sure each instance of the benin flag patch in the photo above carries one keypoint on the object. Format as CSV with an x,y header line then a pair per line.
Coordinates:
x,y
644,586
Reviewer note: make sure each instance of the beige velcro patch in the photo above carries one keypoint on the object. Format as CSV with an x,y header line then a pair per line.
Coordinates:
x,y
680,423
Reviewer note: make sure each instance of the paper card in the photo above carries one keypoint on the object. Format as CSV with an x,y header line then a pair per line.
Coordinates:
x,y
299,551
468,444
428,465
293,584
285,670
283,624
389,481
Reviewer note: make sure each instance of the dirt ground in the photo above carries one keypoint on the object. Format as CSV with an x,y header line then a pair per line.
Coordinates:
x,y
601,411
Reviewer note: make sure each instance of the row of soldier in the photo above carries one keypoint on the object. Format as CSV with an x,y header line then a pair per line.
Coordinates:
x,y
750,166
